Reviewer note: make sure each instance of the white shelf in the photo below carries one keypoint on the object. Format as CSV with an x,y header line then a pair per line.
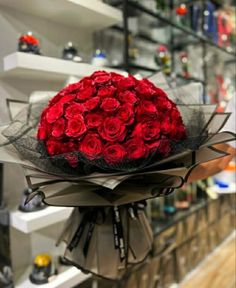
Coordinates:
x,y
69,278
32,221
87,14
29,66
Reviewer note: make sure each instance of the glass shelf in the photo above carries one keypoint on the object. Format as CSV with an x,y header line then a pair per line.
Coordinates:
x,y
173,24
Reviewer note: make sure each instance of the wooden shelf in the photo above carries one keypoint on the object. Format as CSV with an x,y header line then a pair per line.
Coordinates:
x,y
30,66
87,14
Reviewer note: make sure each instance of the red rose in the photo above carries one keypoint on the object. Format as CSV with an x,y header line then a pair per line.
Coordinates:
x,y
177,132
58,128
110,104
136,149
42,133
127,82
92,103
54,113
103,79
93,120
54,147
146,108
91,146
112,129
145,89
126,114
153,145
86,93
166,126
72,159
107,91
86,82
75,127
148,131
164,147
98,73
116,78
114,153
164,104
128,97
74,111
71,88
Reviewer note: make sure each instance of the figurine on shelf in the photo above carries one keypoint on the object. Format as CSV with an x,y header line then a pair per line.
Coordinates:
x,y
29,44
182,14
70,52
42,269
99,58
35,205
185,64
183,200
163,59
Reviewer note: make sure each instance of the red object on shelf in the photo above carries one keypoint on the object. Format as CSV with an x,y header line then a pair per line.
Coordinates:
x,y
181,10
29,39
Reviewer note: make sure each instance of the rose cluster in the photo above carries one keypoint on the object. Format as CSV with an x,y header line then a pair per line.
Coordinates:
x,y
110,117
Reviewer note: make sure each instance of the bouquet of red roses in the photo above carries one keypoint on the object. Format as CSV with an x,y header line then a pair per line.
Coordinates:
x,y
104,145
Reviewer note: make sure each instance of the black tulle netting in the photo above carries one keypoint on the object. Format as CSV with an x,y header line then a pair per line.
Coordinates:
x,y
23,130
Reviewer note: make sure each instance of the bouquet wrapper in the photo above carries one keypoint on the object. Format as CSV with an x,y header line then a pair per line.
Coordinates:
x,y
108,231
122,232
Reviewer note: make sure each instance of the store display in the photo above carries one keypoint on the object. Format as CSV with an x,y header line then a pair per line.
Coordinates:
x,y
187,224
42,269
163,59
70,52
35,205
99,58
29,44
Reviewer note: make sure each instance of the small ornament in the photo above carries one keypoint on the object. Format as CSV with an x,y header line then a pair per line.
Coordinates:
x,y
182,12
42,269
99,58
29,44
34,205
70,52
163,59
185,64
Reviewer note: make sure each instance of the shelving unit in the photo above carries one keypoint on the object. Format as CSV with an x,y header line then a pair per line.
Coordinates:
x,y
29,222
28,66
192,38
54,23
90,15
